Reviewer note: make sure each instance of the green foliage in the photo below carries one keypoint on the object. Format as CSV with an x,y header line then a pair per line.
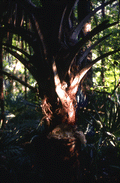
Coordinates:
x,y
100,121
14,103
16,158
106,72
37,3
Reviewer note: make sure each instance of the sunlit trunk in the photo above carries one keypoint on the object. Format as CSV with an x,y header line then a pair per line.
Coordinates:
x,y
66,96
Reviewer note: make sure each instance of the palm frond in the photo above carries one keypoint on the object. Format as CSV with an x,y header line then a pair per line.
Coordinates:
x,y
18,49
75,32
92,47
10,75
68,56
30,67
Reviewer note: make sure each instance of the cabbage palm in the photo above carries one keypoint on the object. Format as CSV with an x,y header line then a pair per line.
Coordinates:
x,y
57,48
53,35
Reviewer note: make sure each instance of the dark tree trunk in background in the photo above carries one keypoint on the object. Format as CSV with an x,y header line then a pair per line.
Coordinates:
x,y
83,11
2,120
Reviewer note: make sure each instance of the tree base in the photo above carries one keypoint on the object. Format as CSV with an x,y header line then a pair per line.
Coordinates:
x,y
61,160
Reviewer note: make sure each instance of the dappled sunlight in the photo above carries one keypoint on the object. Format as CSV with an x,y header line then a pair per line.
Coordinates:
x,y
1,123
87,28
10,116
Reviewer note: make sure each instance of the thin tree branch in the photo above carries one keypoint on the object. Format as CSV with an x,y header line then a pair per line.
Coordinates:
x,y
90,48
78,77
18,49
31,9
73,51
117,86
10,75
28,65
26,35
77,30
104,25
